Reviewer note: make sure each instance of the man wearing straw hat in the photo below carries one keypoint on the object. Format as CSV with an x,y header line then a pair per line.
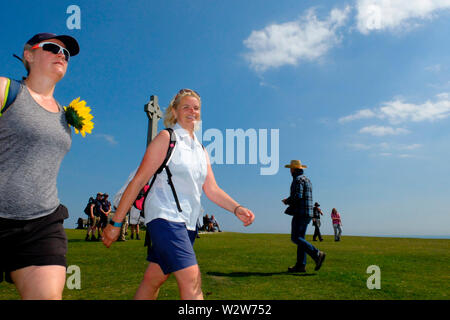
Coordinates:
x,y
300,208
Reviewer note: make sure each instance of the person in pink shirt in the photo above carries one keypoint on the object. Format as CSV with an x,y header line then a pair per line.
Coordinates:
x,y
337,224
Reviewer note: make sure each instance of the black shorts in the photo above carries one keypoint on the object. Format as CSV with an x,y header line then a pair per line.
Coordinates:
x,y
36,242
103,221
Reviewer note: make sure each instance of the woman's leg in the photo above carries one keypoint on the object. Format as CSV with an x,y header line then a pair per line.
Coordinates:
x,y
154,278
189,283
335,232
40,282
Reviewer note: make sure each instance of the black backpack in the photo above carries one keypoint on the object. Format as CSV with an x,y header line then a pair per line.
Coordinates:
x,y
87,210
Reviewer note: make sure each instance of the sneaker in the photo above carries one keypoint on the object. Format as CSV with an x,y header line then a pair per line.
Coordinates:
x,y
297,268
319,260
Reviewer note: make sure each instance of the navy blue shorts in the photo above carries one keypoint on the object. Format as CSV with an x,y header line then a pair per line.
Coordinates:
x,y
172,245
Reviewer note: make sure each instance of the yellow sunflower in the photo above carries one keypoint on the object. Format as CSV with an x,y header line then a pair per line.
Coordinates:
x,y
78,115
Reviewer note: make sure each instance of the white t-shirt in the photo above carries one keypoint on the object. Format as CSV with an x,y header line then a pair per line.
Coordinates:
x,y
189,168
135,215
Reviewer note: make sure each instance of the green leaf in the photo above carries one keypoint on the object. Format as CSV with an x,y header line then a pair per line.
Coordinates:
x,y
73,118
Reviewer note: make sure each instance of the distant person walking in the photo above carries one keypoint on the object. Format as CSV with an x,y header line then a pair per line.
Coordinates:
x,y
135,216
300,208
317,212
105,210
97,217
337,224
92,220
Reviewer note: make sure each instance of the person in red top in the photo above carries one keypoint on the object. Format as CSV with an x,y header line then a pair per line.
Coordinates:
x,y
337,224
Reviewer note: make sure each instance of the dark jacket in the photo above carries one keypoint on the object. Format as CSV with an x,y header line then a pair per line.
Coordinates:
x,y
300,198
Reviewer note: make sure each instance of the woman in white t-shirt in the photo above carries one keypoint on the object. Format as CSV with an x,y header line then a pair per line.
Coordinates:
x,y
173,230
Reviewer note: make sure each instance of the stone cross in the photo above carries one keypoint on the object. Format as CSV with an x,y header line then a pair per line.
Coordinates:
x,y
154,113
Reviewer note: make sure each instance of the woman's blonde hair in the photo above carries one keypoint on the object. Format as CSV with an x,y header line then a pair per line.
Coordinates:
x,y
27,47
169,118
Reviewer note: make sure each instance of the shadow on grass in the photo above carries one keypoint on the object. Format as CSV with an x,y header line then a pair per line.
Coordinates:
x,y
260,274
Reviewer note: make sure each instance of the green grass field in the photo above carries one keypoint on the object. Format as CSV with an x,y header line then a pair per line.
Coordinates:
x,y
253,267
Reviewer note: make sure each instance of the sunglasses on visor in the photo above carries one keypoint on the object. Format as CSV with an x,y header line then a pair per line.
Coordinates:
x,y
186,91
53,48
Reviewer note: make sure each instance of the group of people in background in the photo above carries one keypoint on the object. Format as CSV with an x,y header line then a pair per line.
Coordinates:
x,y
209,224
336,219
98,211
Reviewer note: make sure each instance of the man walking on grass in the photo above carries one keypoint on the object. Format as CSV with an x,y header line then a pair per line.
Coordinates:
x,y
300,208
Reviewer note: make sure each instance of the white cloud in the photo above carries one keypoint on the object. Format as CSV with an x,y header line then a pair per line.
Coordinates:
x,y
434,68
397,111
360,146
380,131
385,149
109,138
395,14
289,43
361,114
411,146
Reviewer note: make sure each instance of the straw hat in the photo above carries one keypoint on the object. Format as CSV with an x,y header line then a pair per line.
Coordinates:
x,y
296,164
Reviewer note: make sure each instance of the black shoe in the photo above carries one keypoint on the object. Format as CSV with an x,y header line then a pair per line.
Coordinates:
x,y
321,240
138,238
297,268
319,260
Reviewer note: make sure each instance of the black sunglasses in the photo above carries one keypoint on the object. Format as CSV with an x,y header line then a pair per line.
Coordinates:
x,y
53,48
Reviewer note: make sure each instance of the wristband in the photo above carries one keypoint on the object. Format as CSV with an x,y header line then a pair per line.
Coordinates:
x,y
116,224
236,209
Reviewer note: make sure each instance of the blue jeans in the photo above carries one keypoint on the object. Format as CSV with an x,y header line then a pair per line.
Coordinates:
x,y
298,231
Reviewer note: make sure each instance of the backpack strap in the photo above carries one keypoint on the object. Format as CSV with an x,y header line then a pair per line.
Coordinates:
x,y
172,143
11,92
169,180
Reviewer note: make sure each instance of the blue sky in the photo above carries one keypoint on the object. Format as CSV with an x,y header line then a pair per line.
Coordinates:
x,y
358,91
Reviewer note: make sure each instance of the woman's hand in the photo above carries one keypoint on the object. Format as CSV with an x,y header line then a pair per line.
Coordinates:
x,y
245,215
110,234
